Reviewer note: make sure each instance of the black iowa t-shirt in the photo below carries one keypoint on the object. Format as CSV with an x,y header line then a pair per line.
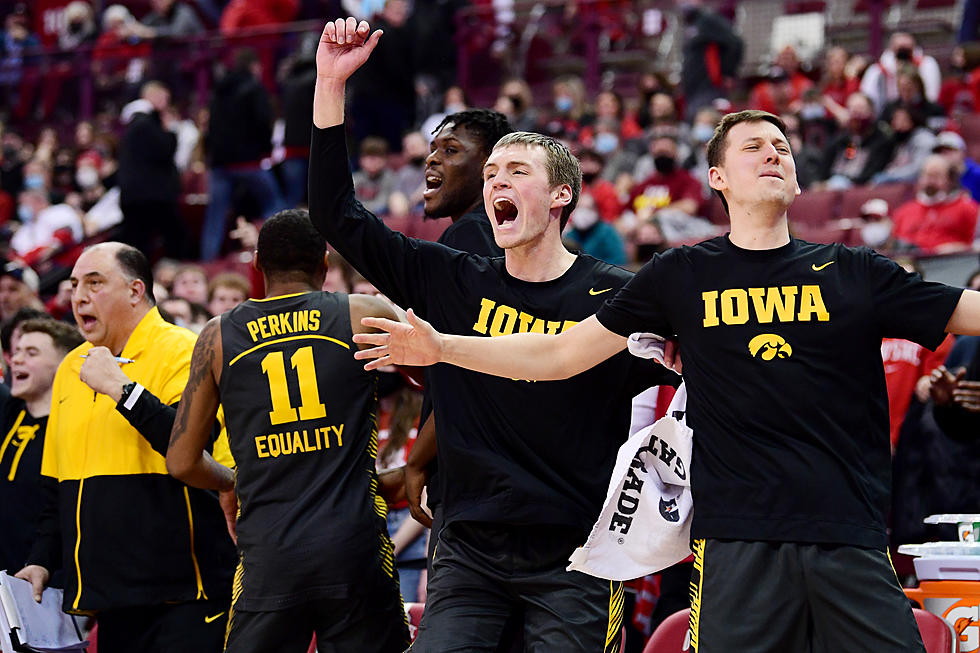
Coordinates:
x,y
509,451
782,357
300,413
21,500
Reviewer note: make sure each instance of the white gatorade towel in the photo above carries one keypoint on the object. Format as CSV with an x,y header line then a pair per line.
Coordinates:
x,y
645,523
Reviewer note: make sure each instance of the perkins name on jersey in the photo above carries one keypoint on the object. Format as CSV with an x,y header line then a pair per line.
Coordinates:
x,y
284,324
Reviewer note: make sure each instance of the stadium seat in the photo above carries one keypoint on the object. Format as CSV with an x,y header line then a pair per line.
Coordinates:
x,y
815,207
671,636
937,635
854,198
832,232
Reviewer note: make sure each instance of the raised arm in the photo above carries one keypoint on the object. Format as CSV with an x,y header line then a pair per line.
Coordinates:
x,y
531,356
965,320
344,47
187,459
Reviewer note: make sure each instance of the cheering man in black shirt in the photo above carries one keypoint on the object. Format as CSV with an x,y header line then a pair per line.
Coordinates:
x,y
780,341
314,549
523,466
42,345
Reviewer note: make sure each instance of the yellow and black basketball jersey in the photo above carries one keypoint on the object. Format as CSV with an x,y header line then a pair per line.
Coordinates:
x,y
301,424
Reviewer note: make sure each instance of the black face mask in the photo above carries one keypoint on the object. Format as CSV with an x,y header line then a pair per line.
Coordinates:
x,y
417,161
589,177
903,137
518,103
903,54
664,164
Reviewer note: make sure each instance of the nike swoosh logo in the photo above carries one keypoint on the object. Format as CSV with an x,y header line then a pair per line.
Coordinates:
x,y
817,268
593,291
208,620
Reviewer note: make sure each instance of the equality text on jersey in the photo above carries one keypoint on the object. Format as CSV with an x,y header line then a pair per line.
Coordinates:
x,y
764,305
284,324
299,441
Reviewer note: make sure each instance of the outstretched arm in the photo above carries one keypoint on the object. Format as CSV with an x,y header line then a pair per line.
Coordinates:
x,y
187,460
531,356
344,47
965,320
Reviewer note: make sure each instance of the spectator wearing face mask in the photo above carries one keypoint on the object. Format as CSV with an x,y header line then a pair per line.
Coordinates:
x,y
37,176
569,112
601,190
669,185
671,194
880,81
701,132
860,150
593,236
517,103
410,178
44,228
607,142
911,144
609,105
952,146
941,218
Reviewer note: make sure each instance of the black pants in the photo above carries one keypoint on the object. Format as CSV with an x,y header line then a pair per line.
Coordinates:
x,y
197,626
772,597
371,623
486,573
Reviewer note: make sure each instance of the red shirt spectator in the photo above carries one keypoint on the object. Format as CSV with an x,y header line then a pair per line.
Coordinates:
x,y
777,94
905,363
941,218
603,191
242,14
934,227
840,90
660,190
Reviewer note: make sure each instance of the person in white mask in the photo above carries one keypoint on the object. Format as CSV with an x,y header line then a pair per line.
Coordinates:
x,y
941,218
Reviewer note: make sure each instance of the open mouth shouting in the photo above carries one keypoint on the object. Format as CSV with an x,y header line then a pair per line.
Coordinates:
x,y
504,211
433,183
86,322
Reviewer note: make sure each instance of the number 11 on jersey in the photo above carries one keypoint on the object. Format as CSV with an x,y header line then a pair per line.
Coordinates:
x,y
274,367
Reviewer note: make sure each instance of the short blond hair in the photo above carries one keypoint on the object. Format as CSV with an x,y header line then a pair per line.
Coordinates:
x,y
561,164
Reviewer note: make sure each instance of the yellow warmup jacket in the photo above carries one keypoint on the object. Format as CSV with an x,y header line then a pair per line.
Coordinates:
x,y
125,532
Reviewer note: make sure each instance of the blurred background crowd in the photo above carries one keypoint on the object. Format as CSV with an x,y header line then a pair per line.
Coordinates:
x,y
178,125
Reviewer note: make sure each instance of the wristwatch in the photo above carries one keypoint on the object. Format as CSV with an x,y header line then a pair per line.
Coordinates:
x,y
127,390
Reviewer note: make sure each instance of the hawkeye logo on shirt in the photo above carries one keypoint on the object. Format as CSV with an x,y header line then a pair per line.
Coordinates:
x,y
736,306
768,346
501,320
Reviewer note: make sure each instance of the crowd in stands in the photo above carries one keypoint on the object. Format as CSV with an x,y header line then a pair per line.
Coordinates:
x,y
188,182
